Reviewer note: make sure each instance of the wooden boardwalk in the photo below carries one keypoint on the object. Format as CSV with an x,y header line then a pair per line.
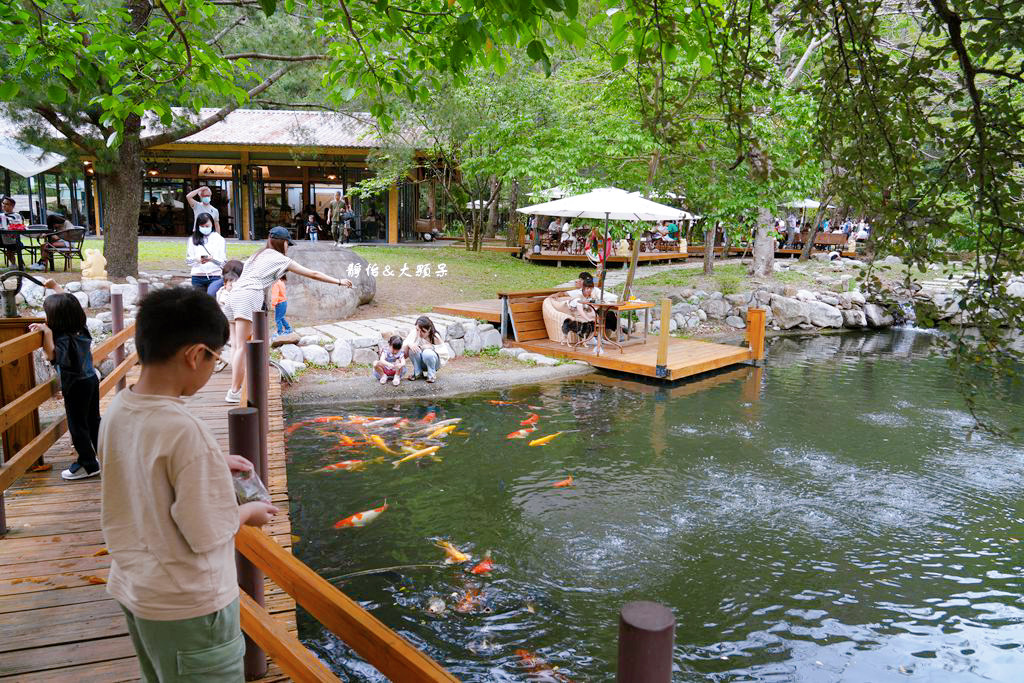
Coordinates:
x,y
57,622
562,257
485,309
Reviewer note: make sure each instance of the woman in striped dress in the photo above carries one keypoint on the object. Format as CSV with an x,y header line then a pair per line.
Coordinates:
x,y
249,293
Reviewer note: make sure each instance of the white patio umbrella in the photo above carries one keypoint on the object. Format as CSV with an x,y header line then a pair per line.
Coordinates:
x,y
609,203
26,160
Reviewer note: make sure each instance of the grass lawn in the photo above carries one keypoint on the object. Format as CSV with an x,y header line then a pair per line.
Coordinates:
x,y
165,255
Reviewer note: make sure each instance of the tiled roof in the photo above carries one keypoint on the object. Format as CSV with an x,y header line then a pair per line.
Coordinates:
x,y
288,129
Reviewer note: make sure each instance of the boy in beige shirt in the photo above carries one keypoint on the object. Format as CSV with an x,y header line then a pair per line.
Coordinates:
x,y
169,514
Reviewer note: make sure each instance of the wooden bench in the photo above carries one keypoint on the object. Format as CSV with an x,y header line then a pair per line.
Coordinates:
x,y
523,311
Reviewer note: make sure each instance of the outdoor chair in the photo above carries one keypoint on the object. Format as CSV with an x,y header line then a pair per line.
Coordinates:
x,y
72,239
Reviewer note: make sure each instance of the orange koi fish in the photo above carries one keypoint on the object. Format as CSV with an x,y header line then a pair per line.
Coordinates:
x,y
503,403
441,431
429,417
419,454
361,518
469,602
536,665
531,420
485,565
563,483
346,440
455,556
544,439
379,443
521,433
316,420
344,465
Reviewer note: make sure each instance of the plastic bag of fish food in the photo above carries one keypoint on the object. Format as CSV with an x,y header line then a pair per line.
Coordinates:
x,y
248,487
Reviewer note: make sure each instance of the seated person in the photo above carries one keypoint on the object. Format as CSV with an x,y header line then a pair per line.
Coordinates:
x,y
54,243
581,313
391,363
586,280
672,231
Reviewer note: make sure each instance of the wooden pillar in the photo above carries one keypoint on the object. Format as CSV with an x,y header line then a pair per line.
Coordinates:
x,y
16,378
646,635
661,367
306,201
258,377
117,324
244,440
245,199
393,214
755,332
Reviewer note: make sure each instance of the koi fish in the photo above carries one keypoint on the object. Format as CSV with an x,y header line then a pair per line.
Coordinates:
x,y
437,425
382,422
544,439
441,431
344,465
503,403
429,417
562,484
346,440
379,443
521,433
536,665
485,565
531,420
455,556
469,602
418,454
361,518
316,420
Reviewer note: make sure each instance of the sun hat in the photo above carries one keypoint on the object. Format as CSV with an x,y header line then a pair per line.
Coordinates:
x,y
281,233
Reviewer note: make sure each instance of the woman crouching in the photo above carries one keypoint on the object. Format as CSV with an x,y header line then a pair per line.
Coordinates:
x,y
425,349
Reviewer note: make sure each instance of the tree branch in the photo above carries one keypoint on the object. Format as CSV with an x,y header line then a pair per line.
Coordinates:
x,y
275,58
815,44
66,129
227,29
185,131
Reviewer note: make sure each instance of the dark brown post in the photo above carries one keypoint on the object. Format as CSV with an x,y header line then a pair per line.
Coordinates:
x,y
646,636
117,324
257,374
143,289
244,440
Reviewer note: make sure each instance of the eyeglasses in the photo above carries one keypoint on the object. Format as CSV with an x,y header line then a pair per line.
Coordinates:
x,y
210,351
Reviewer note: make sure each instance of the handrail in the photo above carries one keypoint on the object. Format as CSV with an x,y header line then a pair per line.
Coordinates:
x,y
19,347
391,654
107,346
293,657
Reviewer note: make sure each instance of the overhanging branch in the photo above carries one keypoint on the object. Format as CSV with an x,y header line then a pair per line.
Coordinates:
x,y
276,58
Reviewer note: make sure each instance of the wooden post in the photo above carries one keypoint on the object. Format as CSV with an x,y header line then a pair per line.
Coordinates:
x,y
661,367
256,373
244,440
393,214
143,290
646,636
117,324
755,332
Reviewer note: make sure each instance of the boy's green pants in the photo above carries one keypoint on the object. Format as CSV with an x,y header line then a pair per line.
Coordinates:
x,y
206,648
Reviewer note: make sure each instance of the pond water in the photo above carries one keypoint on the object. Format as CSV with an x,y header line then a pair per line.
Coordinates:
x,y
824,518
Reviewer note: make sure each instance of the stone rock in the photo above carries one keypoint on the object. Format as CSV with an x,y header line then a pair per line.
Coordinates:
x,y
701,294
701,315
1016,289
806,295
830,300
512,353
877,316
484,327
129,293
363,342
690,322
341,355
104,316
805,326
474,343
892,261
491,339
365,356
98,298
456,331
83,298
290,367
446,349
538,359
89,286
458,347
281,340
292,353
823,315
735,321
312,299
762,298
788,291
787,312
946,304
673,326
32,293
73,287
315,355
738,299
716,296
107,366
821,256
131,280
313,339
716,309
95,326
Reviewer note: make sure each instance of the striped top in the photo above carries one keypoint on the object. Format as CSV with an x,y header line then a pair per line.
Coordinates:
x,y
262,269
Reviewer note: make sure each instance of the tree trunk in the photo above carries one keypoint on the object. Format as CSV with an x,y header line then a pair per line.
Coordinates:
x,y
492,207
122,197
709,249
764,246
515,222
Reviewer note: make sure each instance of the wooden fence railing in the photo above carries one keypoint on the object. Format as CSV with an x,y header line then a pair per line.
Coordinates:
x,y
259,554
15,411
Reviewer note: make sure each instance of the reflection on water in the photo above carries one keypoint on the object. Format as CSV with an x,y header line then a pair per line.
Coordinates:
x,y
822,519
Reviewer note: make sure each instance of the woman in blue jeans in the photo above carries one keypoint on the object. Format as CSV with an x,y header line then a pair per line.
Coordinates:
x,y
426,349
206,254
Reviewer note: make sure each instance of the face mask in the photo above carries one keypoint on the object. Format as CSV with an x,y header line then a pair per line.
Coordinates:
x,y
206,229
206,200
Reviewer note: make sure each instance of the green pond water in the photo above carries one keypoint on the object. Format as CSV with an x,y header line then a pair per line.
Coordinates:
x,y
824,518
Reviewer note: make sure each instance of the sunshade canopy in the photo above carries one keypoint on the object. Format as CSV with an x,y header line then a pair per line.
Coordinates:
x,y
610,203
805,204
26,160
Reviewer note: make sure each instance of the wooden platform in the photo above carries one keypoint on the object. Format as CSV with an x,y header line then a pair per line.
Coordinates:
x,y
686,357
698,251
561,257
57,622
485,309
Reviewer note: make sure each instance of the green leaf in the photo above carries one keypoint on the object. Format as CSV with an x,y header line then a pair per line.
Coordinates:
x,y
56,93
269,6
535,50
705,65
8,90
619,61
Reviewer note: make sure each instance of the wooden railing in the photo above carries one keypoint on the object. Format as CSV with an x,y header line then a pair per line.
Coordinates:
x,y
27,404
259,554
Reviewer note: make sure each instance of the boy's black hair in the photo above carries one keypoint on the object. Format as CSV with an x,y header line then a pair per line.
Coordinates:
x,y
171,319
395,341
586,280
64,314
232,269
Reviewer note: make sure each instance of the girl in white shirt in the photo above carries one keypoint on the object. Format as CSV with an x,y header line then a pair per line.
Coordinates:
x,y
206,254
426,349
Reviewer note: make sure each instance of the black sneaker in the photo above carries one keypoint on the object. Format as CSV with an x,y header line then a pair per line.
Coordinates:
x,y
77,471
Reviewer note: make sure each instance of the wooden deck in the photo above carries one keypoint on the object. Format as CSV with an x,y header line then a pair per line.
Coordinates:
x,y
57,622
485,309
561,257
686,357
